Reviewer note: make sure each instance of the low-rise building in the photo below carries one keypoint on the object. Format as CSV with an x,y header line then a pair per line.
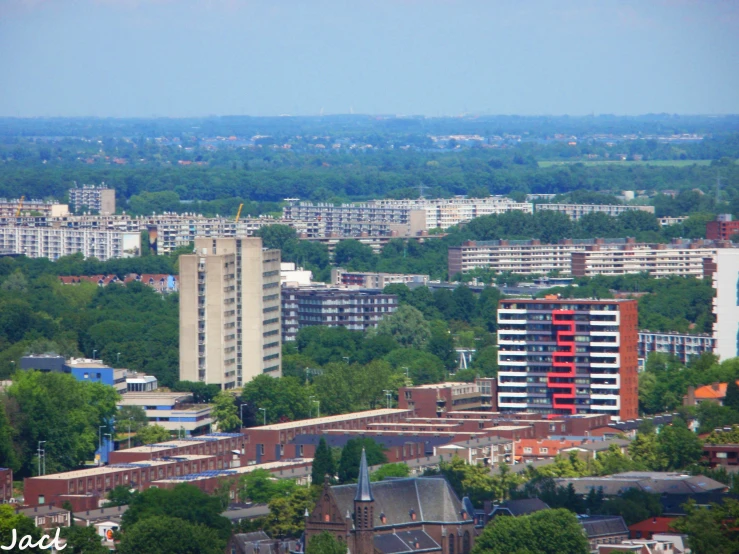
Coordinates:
x,y
647,528
684,346
725,455
604,530
437,399
715,392
373,280
356,310
47,517
174,411
724,227
24,207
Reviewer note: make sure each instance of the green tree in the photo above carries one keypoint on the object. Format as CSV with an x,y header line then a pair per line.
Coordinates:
x,y
731,400
225,413
170,535
485,362
135,416
391,470
644,449
83,540
679,446
286,514
407,326
544,532
284,399
120,496
8,456
710,530
351,455
354,255
469,480
441,345
323,463
22,525
261,487
153,434
325,543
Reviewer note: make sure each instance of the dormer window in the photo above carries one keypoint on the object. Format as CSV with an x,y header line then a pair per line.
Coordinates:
x,y
383,518
412,513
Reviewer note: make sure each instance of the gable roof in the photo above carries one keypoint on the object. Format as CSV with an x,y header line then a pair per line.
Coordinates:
x,y
431,499
600,526
715,391
653,525
405,541
521,507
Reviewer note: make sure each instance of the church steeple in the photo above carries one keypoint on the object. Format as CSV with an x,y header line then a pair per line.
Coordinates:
x,y
364,490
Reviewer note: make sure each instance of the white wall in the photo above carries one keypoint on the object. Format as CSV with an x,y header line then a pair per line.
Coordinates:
x,y
726,303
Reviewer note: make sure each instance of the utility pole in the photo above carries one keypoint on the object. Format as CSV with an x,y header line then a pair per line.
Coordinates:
x,y
265,414
129,432
388,394
100,442
39,454
318,408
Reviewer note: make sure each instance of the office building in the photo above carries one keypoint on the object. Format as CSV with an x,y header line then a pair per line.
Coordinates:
x,y
683,346
372,280
436,400
356,310
52,243
91,198
723,268
576,211
229,312
175,411
724,227
566,357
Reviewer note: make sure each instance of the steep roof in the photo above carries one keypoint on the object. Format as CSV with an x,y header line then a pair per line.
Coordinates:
x,y
431,499
599,526
521,507
715,391
364,490
406,541
653,525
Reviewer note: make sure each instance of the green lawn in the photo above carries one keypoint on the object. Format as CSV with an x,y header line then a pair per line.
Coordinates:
x,y
663,163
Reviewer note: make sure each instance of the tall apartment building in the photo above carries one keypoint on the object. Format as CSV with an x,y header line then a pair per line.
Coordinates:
x,y
356,310
724,269
92,198
229,312
566,357
576,211
52,243
683,346
8,208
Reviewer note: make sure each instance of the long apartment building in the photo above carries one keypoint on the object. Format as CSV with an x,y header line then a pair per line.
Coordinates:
x,y
410,217
576,211
583,257
92,198
567,357
353,309
683,346
52,243
23,207
229,312
373,280
680,257
723,270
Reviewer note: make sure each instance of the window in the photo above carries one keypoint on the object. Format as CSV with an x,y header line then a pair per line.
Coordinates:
x,y
527,450
543,451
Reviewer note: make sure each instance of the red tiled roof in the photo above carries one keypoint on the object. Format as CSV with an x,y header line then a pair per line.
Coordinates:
x,y
712,391
653,525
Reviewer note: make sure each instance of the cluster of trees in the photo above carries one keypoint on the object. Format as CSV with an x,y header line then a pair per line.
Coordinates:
x,y
124,325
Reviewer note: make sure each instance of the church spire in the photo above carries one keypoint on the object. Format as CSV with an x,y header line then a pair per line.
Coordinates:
x,y
364,491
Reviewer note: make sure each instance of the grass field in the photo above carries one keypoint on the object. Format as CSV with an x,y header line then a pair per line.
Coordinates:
x,y
658,163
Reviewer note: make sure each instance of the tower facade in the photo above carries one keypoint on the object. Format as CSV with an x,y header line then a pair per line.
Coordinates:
x,y
566,357
364,511
229,312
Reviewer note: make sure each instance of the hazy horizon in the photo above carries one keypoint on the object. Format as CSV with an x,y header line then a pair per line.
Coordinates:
x,y
200,58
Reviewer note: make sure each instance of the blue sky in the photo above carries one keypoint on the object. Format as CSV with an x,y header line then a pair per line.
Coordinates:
x,y
435,57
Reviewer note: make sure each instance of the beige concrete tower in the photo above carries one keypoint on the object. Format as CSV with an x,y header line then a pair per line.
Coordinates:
x,y
229,312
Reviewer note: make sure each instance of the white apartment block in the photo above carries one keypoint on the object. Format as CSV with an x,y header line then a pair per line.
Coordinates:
x,y
576,211
406,217
229,312
725,269
523,257
46,242
684,258
8,208
92,198
372,280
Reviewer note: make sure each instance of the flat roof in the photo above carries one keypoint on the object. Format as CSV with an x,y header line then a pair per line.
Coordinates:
x,y
404,424
508,427
441,385
269,466
102,470
329,419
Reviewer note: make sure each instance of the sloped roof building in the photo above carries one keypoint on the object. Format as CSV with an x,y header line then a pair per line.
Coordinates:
x,y
394,516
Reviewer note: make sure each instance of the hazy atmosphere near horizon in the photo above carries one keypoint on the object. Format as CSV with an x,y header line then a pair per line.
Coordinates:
x,y
127,58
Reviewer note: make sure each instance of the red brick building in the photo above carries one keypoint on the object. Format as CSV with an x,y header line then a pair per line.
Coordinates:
x,y
6,484
563,357
722,228
438,399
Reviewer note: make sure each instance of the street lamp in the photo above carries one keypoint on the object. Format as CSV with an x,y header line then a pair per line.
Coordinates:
x,y
406,372
118,358
265,414
40,450
388,394
93,353
346,358
318,408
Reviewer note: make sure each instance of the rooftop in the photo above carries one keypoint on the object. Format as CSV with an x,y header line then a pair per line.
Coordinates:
x,y
329,419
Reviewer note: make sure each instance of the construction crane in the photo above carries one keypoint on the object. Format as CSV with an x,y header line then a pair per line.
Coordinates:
x,y
20,206
238,214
